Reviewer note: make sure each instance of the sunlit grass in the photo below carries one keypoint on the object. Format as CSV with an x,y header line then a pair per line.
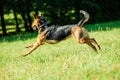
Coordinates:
x,y
66,60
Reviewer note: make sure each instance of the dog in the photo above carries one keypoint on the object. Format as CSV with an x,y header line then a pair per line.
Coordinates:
x,y
55,34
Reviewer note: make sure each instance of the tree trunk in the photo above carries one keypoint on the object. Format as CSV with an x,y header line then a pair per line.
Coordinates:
x,y
2,20
23,11
16,21
29,21
25,21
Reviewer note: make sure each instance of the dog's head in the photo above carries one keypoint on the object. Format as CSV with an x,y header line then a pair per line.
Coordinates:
x,y
36,22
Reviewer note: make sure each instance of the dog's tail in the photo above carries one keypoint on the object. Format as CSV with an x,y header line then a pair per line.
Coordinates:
x,y
84,19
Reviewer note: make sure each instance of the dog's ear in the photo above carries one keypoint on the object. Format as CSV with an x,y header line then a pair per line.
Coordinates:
x,y
35,16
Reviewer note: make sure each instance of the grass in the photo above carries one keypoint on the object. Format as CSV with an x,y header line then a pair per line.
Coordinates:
x,y
66,60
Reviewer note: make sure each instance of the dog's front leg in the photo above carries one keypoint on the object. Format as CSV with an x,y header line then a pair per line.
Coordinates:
x,y
36,45
40,41
29,46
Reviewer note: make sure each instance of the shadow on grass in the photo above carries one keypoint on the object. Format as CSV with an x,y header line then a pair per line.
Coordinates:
x,y
90,27
18,36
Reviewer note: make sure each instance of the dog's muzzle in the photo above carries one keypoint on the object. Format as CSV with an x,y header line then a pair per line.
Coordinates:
x,y
34,27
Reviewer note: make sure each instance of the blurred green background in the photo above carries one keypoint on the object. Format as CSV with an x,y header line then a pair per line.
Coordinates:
x,y
16,15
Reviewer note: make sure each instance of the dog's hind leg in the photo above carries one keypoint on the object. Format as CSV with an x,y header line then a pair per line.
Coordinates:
x,y
76,33
92,40
92,46
88,41
92,43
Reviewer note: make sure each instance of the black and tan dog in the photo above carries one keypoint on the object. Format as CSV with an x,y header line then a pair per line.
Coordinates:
x,y
54,34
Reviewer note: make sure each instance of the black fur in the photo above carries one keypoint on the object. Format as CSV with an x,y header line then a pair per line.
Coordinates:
x,y
58,33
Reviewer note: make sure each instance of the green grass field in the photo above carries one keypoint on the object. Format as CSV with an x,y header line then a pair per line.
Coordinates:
x,y
66,60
